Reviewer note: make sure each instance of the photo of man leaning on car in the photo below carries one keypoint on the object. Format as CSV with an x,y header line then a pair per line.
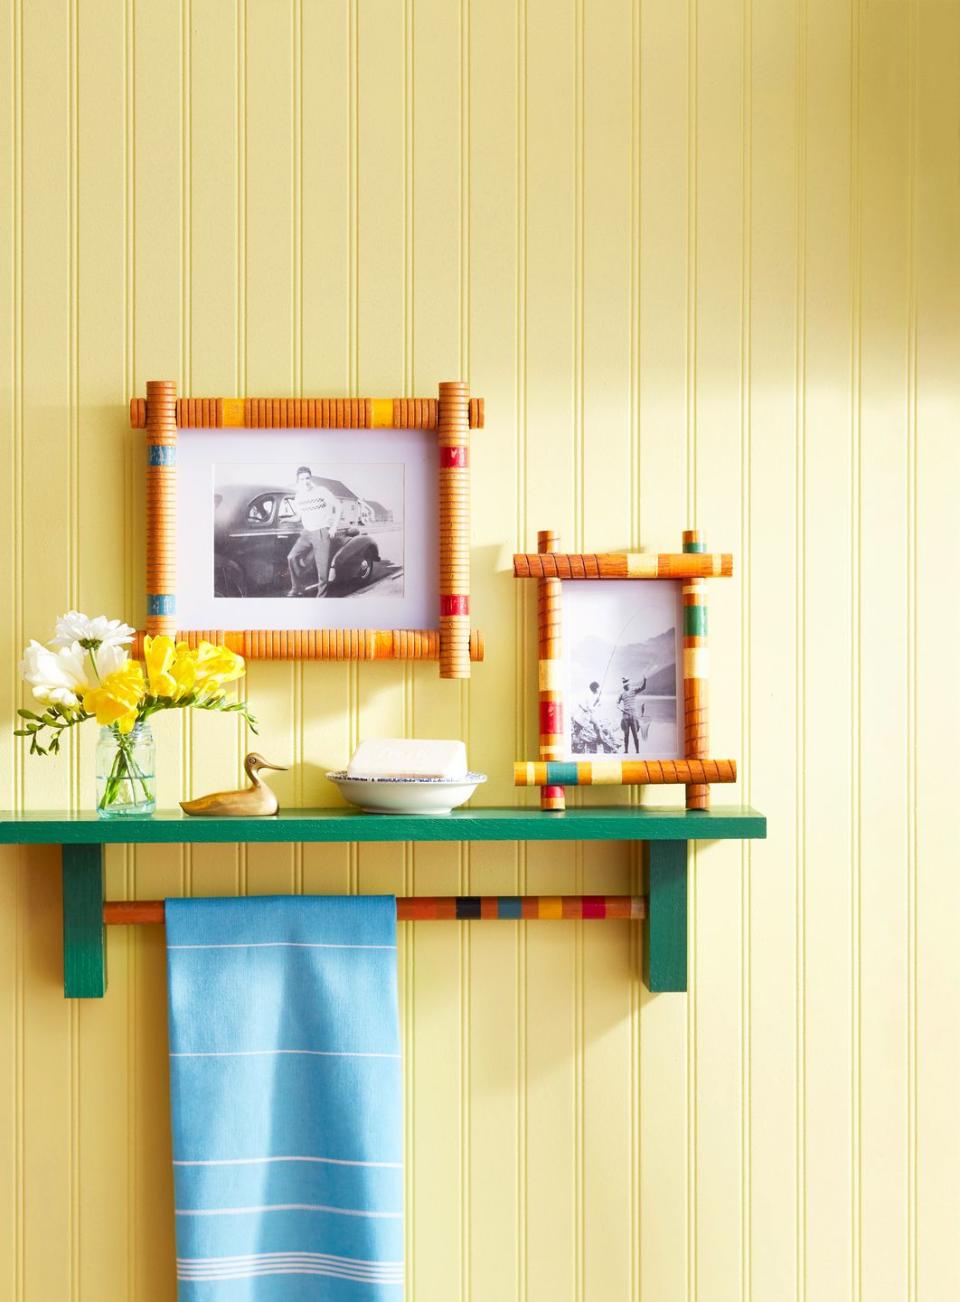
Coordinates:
x,y
319,513
309,531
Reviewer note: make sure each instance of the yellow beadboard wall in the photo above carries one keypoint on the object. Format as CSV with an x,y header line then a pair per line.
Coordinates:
x,y
703,262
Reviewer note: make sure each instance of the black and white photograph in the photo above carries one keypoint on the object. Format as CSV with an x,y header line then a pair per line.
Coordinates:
x,y
621,650
316,531
300,529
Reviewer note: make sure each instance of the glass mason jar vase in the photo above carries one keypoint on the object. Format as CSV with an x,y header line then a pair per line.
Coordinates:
x,y
126,772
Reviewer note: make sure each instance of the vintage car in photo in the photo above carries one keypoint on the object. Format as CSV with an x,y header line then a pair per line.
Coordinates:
x,y
255,528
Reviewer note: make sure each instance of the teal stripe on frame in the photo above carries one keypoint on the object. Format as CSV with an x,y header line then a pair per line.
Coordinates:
x,y
694,546
562,773
695,621
161,603
161,454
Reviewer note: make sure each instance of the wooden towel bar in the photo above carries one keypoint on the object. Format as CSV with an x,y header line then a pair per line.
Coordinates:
x,y
440,908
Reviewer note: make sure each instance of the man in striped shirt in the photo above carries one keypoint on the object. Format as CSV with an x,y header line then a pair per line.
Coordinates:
x,y
319,510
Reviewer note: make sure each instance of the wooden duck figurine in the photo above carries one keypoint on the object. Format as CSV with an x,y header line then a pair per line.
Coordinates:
x,y
254,801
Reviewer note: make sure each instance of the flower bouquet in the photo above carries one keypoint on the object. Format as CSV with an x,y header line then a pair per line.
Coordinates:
x,y
85,672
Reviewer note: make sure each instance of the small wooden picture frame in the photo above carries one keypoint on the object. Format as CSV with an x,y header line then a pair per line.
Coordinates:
x,y
665,667
362,542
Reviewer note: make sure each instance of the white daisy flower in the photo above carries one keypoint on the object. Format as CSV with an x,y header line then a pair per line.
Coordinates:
x,y
100,631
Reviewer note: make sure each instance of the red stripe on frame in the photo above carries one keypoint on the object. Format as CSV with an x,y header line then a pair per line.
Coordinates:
x,y
453,457
453,604
551,716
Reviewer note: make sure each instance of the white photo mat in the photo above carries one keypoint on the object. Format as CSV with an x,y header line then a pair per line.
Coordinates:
x,y
615,629
205,456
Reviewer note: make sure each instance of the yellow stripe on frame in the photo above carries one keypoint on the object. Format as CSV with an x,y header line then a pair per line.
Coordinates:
x,y
696,662
549,675
233,413
605,773
643,565
551,906
382,413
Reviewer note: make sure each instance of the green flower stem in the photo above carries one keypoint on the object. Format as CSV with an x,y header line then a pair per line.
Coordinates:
x,y
124,769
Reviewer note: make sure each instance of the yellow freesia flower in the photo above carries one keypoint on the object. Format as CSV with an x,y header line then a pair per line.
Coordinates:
x,y
114,701
214,666
158,653
184,671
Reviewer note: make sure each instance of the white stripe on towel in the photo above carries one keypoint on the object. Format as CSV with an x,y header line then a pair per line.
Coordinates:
x,y
269,1053
275,1272
324,1272
327,1272
280,944
254,1272
372,1272
221,1266
359,1263
286,1207
253,1161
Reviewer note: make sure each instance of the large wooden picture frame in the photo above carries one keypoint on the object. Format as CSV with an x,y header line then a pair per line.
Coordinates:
x,y
451,415
554,769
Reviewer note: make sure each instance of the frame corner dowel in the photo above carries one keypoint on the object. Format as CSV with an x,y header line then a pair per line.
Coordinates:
x,y
161,424
453,434
696,732
551,723
84,951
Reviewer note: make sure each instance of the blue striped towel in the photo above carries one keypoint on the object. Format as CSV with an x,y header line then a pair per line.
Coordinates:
x,y
285,1083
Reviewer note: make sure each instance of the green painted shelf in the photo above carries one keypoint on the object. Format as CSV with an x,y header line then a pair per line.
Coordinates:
x,y
609,824
81,838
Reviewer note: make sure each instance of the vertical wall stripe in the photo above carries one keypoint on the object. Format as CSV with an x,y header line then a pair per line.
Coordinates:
x,y
801,473
129,376
912,789
298,183
465,853
746,649
524,643
801,634
20,548
691,496
856,701
20,865
186,319
73,562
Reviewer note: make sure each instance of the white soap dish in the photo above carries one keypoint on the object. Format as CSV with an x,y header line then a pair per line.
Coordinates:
x,y
393,795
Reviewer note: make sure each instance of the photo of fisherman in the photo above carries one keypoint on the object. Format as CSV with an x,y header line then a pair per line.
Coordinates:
x,y
627,705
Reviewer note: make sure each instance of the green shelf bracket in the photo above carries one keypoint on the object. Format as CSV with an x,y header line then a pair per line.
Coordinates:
x,y
84,951
665,926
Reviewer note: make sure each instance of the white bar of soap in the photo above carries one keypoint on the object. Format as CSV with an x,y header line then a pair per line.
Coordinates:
x,y
400,757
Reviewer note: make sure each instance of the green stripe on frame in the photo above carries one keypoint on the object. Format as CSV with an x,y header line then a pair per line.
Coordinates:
x,y
562,773
695,621
694,546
